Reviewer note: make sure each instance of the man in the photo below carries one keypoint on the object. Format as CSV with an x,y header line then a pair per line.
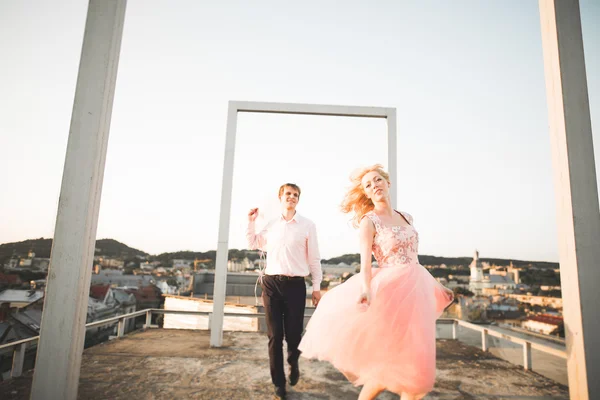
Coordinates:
x,y
292,253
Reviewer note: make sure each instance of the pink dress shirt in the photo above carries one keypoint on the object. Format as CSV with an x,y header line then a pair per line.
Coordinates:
x,y
291,247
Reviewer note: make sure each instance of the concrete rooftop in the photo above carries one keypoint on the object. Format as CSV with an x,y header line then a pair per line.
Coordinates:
x,y
179,364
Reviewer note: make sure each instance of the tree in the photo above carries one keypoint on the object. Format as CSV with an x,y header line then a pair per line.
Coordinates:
x,y
477,314
462,291
308,280
559,331
346,276
172,282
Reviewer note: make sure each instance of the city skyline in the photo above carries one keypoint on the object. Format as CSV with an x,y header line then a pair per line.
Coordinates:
x,y
33,252
468,85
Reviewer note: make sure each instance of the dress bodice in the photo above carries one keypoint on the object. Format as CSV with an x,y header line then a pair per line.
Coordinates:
x,y
394,245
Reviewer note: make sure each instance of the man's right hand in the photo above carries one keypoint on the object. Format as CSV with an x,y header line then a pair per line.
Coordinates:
x,y
252,214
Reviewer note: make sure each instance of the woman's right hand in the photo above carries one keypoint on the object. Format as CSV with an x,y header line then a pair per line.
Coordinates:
x,y
252,214
365,297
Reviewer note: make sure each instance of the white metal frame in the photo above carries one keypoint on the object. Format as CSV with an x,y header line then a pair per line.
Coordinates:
x,y
235,107
62,332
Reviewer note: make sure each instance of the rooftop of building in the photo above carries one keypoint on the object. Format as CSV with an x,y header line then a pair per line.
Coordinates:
x,y
98,292
20,296
546,319
177,364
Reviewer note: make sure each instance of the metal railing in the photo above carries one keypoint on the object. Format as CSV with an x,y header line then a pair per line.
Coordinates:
x,y
486,332
20,347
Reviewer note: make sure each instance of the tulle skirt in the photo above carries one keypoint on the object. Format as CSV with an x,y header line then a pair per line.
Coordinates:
x,y
391,342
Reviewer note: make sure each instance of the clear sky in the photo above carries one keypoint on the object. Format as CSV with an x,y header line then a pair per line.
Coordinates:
x,y
466,78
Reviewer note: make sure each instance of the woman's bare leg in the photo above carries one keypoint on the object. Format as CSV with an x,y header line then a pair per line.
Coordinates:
x,y
408,396
369,392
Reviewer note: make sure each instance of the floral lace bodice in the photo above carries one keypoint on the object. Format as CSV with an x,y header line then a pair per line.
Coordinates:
x,y
395,245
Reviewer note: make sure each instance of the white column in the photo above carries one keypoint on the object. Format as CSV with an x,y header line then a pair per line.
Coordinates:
x,y
121,328
393,155
148,320
455,330
576,191
484,340
62,331
527,361
216,324
18,360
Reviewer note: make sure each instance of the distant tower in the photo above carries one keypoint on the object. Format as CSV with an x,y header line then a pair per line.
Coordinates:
x,y
476,279
515,273
14,260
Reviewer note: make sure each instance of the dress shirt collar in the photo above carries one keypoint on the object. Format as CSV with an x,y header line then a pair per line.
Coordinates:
x,y
295,218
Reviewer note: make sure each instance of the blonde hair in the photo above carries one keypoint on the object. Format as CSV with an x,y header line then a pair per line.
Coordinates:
x,y
290,185
356,200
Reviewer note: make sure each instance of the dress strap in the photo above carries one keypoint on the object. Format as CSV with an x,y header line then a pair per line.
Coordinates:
x,y
406,216
375,219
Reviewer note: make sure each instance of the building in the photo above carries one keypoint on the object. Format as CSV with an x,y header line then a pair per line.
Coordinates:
x,y
146,266
180,263
9,280
116,301
244,265
241,288
337,269
505,311
20,298
146,297
117,278
543,301
544,323
17,324
29,263
500,279
175,321
110,262
510,271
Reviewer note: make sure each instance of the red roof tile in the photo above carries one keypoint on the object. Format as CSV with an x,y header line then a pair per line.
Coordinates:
x,y
10,279
547,319
98,292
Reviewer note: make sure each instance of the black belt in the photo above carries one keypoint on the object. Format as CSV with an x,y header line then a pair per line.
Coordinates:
x,y
286,277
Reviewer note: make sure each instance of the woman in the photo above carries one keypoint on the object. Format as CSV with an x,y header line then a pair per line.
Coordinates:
x,y
378,328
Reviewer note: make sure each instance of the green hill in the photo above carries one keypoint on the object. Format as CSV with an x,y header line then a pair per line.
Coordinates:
x,y
113,248
450,261
42,248
234,254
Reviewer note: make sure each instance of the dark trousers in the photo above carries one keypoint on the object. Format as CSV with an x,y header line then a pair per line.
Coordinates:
x,y
284,300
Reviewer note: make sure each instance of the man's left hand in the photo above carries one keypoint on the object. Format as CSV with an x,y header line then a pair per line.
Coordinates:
x,y
316,297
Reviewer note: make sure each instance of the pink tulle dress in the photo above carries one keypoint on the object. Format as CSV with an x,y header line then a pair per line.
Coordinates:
x,y
391,342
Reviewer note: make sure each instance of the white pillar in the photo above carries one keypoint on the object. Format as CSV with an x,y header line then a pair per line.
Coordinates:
x,y
216,326
484,340
62,331
393,155
121,328
148,320
527,361
18,360
576,191
455,330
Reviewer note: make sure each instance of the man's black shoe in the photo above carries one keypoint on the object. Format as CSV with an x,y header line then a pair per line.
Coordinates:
x,y
294,374
280,392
